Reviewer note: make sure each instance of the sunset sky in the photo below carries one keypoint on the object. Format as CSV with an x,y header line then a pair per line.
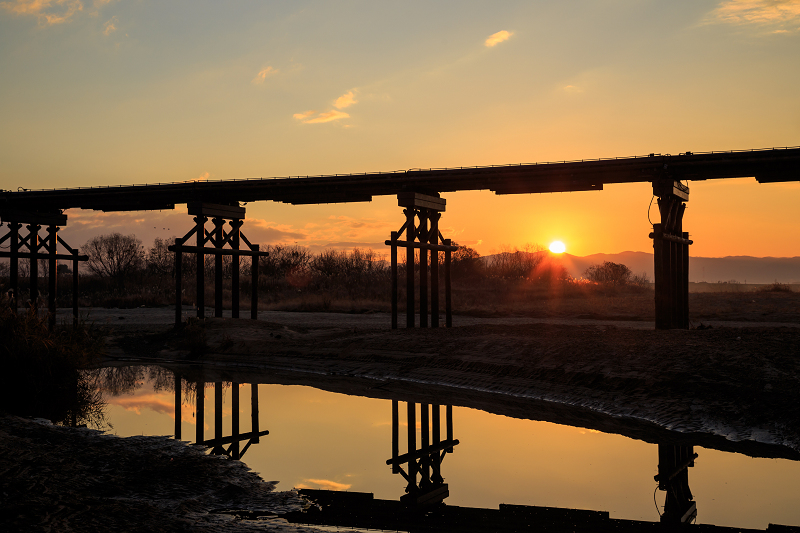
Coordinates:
x,y
106,92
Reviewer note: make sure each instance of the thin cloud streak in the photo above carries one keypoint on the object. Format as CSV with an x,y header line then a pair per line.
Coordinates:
x,y
48,12
758,12
324,484
263,74
110,26
497,38
321,118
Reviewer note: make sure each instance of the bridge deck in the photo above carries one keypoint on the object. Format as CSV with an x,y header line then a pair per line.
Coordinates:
x,y
767,165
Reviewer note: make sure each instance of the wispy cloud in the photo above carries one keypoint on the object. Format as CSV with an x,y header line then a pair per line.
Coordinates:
x,y
346,100
778,13
263,74
110,26
572,89
325,484
328,116
48,12
497,38
304,115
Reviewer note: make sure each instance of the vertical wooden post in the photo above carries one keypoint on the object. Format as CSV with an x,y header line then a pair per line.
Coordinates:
x,y
685,281
449,422
178,405
425,442
423,268
434,239
412,443
235,420
200,411
75,281
254,284
254,413
52,277
218,266
178,282
14,266
235,230
394,279
411,235
436,440
447,291
217,416
660,276
200,276
395,436
33,263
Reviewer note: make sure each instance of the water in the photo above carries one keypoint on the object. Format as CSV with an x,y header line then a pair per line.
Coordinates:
x,y
331,441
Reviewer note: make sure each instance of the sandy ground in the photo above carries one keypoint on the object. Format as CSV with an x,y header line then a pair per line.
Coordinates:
x,y
70,479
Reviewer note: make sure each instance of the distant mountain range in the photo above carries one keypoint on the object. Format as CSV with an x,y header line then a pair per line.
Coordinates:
x,y
743,269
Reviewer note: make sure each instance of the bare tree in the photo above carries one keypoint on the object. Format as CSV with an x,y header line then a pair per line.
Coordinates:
x,y
160,260
115,256
613,274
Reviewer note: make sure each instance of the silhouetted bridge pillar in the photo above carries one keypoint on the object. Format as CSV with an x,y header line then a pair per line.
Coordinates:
x,y
217,444
671,256
423,462
35,248
673,478
424,236
218,238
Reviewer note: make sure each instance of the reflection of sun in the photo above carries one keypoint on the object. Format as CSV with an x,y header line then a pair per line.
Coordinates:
x,y
557,247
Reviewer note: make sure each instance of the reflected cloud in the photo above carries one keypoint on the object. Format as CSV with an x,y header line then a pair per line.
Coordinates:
x,y
758,12
497,38
324,484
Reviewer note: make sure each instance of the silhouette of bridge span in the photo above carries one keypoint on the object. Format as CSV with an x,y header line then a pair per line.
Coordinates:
x,y
418,192
767,165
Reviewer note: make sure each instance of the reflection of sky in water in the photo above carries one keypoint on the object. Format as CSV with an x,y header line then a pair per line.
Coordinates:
x,y
331,441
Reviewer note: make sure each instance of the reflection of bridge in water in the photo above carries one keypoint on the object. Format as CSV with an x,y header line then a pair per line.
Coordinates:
x,y
429,437
218,442
418,192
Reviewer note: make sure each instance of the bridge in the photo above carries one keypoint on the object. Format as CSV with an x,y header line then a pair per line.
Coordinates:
x,y
418,191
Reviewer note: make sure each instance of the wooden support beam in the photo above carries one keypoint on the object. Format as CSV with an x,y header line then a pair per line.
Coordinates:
x,y
215,210
234,238
423,269
219,225
415,200
200,392
178,405
417,245
393,247
52,275
178,249
411,236
200,285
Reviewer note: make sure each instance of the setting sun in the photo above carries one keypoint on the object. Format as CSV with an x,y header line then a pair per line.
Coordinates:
x,y
557,247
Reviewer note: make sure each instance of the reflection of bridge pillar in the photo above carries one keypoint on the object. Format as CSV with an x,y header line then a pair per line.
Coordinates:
x,y
217,444
35,249
425,460
673,478
671,256
425,237
218,238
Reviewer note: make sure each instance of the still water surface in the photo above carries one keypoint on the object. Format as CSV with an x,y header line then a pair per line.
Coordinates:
x,y
320,439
